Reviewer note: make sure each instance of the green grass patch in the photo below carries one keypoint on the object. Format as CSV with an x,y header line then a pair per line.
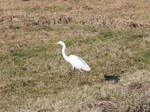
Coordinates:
x,y
68,43
90,40
146,56
37,8
55,8
3,58
27,53
20,53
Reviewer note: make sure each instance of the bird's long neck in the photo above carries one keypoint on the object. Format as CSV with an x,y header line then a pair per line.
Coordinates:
x,y
63,52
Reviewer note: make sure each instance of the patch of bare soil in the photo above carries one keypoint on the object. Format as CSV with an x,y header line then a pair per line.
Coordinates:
x,y
138,84
93,20
107,106
139,81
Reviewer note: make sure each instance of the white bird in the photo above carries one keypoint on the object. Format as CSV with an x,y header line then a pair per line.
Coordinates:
x,y
74,60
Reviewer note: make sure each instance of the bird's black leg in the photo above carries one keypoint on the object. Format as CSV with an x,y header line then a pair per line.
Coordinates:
x,y
71,71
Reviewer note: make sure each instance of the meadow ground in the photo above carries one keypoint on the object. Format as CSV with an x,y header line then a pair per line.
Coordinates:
x,y
113,36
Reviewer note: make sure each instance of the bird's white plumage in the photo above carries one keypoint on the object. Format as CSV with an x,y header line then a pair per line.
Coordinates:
x,y
78,63
75,61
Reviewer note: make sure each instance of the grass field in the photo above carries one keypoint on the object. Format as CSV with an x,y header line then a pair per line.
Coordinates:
x,y
113,36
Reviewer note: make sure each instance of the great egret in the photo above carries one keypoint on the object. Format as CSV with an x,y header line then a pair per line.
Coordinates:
x,y
74,60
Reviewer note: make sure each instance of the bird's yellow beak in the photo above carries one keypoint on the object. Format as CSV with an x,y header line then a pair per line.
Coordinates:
x,y
54,43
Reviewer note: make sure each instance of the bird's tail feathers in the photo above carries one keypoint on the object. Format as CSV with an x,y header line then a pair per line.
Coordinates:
x,y
87,68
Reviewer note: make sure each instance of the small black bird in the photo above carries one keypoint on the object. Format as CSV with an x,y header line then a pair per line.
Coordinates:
x,y
114,78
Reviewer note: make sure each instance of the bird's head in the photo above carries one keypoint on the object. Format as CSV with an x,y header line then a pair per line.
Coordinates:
x,y
59,42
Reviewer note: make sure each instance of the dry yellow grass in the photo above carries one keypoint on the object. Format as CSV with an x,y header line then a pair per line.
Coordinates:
x,y
112,36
